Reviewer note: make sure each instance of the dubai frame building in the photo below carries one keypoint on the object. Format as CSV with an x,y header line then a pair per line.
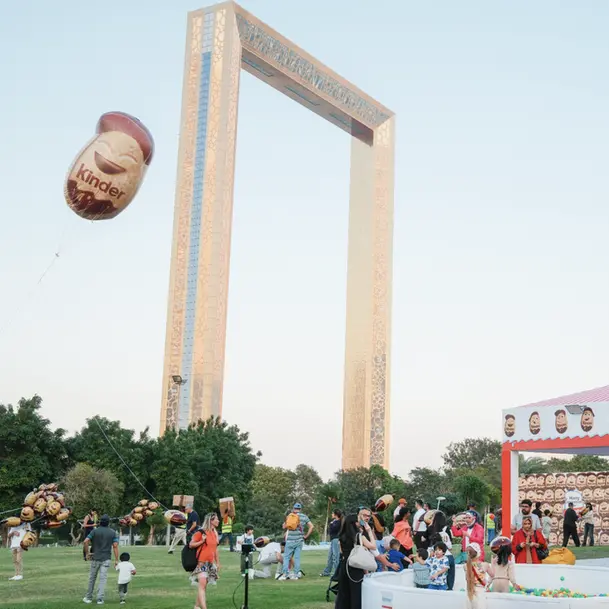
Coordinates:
x,y
222,40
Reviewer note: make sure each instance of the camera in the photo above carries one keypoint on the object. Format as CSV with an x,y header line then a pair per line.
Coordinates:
x,y
247,548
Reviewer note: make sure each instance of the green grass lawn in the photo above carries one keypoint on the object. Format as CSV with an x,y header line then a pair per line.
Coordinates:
x,y
56,578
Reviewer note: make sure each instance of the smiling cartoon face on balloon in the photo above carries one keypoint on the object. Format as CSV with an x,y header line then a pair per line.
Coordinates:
x,y
108,172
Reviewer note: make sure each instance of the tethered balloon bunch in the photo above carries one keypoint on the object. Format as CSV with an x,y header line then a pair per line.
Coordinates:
x,y
144,509
44,506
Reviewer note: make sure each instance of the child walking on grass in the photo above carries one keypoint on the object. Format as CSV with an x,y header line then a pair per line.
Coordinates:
x,y
126,570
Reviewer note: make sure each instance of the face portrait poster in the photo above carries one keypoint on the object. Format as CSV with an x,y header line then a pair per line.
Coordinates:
x,y
556,491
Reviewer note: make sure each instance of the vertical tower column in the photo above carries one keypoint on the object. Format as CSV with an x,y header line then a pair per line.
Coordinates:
x,y
196,327
366,413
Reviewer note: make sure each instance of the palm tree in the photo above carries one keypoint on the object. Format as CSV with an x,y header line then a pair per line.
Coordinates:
x,y
532,465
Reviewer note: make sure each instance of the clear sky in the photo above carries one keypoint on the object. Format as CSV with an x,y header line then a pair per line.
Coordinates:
x,y
501,258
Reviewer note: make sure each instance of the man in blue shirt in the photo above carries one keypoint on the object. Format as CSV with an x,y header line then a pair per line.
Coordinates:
x,y
105,541
295,524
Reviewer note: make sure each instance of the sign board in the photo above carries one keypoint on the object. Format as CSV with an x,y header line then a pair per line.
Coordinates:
x,y
183,500
556,491
530,423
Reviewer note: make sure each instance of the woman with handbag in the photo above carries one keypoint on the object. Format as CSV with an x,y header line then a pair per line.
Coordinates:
x,y
529,545
358,555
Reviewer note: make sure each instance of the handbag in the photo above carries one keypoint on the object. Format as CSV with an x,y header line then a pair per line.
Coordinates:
x,y
542,553
361,558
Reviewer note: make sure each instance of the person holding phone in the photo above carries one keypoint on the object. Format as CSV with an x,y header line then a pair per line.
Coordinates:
x,y
526,542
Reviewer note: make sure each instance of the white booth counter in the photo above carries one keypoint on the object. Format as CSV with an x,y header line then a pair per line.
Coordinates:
x,y
396,590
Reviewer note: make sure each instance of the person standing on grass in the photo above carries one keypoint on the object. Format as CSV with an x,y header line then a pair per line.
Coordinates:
x,y
227,530
105,541
334,553
587,520
192,523
569,527
88,524
295,524
490,527
15,537
208,561
126,570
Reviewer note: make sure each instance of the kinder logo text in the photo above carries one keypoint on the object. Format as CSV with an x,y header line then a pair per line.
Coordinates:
x,y
87,176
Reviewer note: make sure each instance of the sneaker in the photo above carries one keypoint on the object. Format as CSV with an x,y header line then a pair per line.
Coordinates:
x,y
293,576
283,577
86,600
18,578
301,573
170,552
100,602
324,575
122,603
277,576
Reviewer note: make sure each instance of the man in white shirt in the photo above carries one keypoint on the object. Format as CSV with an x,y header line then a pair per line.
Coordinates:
x,y
15,537
419,526
525,510
271,554
401,504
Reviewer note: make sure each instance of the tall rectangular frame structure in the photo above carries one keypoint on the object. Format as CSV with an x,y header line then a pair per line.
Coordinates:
x,y
222,40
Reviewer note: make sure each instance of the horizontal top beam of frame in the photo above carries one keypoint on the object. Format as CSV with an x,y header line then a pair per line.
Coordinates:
x,y
286,67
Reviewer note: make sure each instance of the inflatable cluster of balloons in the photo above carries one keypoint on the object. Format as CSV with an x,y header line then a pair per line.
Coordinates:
x,y
45,506
144,509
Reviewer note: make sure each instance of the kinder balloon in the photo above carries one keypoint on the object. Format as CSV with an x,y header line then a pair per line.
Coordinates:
x,y
499,542
27,514
13,521
260,542
28,539
382,503
175,517
108,172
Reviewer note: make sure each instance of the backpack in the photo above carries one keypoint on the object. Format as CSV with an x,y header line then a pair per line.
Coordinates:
x,y
189,558
292,522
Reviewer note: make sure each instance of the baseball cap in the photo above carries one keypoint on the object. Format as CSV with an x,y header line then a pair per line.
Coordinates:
x,y
402,500
104,520
297,506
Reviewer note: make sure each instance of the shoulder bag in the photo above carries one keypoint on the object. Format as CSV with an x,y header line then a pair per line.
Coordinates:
x,y
361,558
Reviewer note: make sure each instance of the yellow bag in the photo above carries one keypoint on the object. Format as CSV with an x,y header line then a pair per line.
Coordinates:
x,y
560,556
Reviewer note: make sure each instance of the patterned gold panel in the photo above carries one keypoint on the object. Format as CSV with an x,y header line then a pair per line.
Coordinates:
x,y
368,341
184,187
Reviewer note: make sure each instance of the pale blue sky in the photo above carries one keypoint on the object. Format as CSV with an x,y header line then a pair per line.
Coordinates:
x,y
501,291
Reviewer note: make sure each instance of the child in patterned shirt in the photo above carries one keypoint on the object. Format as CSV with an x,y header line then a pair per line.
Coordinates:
x,y
438,567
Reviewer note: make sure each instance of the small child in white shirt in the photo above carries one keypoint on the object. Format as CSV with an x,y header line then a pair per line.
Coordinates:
x,y
126,570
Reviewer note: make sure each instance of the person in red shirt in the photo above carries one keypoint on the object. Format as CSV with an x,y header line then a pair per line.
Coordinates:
x,y
526,541
470,532
206,540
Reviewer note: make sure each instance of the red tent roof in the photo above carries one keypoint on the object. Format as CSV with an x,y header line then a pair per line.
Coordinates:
x,y
601,394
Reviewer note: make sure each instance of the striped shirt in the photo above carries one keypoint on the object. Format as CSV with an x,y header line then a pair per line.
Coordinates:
x,y
297,535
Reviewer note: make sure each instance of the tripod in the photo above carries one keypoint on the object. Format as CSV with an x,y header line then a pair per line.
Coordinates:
x,y
246,594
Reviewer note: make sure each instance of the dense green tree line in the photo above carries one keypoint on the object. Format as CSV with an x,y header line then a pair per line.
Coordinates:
x,y
99,465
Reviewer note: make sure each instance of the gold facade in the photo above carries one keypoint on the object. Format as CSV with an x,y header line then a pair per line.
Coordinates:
x,y
221,41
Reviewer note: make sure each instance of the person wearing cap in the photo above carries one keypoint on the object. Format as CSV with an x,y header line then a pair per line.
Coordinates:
x,y
105,541
295,525
401,503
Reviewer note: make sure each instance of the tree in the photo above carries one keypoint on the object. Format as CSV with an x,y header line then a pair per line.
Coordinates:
x,y
30,452
473,453
86,487
578,463
307,483
363,486
272,495
92,445
531,465
209,460
472,489
427,484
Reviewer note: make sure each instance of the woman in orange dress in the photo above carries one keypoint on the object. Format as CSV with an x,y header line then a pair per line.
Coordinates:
x,y
402,531
206,540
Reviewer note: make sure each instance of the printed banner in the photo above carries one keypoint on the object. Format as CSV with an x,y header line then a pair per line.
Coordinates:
x,y
556,491
528,423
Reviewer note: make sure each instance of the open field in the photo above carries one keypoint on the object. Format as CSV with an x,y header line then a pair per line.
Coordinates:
x,y
56,578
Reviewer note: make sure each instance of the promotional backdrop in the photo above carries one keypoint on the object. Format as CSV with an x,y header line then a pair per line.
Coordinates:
x,y
556,491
